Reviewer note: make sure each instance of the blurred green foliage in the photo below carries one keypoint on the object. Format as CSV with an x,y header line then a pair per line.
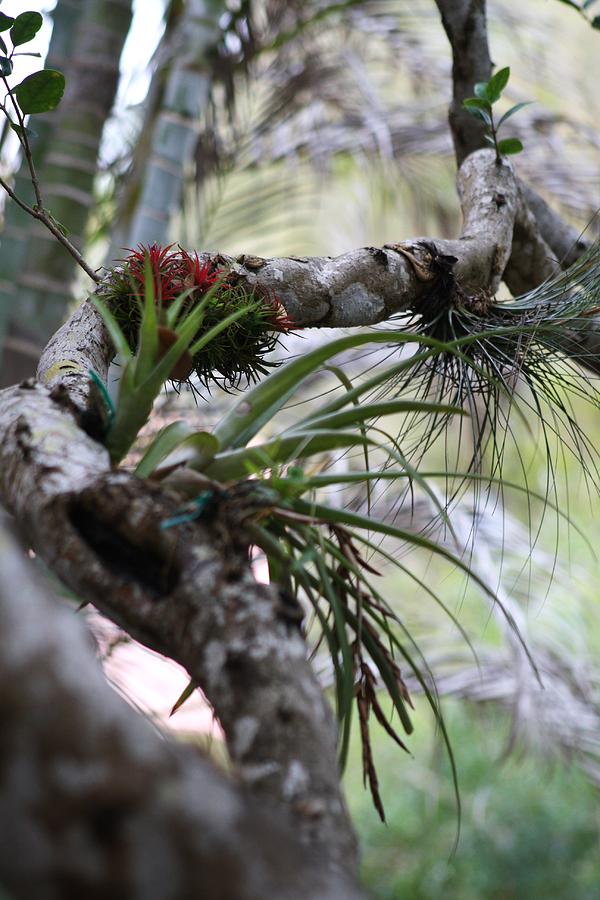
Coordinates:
x,y
530,828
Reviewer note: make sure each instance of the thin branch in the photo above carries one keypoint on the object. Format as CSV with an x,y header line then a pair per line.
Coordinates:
x,y
24,141
42,216
38,211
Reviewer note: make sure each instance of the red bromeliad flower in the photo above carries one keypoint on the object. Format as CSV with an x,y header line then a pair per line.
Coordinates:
x,y
173,271
278,318
164,267
239,351
199,275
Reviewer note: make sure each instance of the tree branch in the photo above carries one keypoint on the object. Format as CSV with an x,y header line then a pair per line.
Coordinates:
x,y
187,592
360,287
38,211
98,803
533,257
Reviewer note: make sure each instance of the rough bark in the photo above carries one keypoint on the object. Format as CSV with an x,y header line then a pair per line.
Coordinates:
x,y
99,804
187,592
465,24
360,287
368,285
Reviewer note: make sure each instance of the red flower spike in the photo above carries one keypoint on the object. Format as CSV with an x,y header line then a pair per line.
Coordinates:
x,y
200,275
279,319
165,266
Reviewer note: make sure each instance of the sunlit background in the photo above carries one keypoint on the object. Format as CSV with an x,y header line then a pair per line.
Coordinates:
x,y
528,763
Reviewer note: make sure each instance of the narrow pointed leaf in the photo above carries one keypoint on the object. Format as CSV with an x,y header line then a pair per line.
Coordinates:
x,y
114,329
164,443
512,111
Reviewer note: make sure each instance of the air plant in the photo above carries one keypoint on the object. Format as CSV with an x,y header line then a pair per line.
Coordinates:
x,y
503,358
237,351
167,339
320,554
471,352
275,490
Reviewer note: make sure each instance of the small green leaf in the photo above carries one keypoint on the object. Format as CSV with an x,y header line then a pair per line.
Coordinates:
x,y
6,65
23,132
116,335
480,90
479,109
6,22
510,145
40,92
476,103
25,28
497,83
512,111
596,22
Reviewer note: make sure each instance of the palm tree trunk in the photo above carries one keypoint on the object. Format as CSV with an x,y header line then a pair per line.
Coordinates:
x,y
15,231
176,103
68,166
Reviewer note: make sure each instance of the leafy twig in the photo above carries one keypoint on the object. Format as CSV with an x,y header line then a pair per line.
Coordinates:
x,y
39,92
486,94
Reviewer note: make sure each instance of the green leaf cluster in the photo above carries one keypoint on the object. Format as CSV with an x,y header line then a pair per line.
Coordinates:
x,y
39,92
325,556
487,93
147,369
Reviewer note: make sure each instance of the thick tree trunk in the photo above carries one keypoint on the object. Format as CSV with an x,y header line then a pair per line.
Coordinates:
x,y
95,804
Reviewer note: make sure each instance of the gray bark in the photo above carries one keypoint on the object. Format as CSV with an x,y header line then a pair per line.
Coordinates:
x,y
186,592
99,804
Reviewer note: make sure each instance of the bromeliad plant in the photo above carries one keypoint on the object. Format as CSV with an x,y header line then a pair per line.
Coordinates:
x,y
167,340
180,282
169,315
329,556
321,553
512,360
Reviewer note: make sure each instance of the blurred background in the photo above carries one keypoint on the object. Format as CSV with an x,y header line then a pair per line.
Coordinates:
x,y
310,128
